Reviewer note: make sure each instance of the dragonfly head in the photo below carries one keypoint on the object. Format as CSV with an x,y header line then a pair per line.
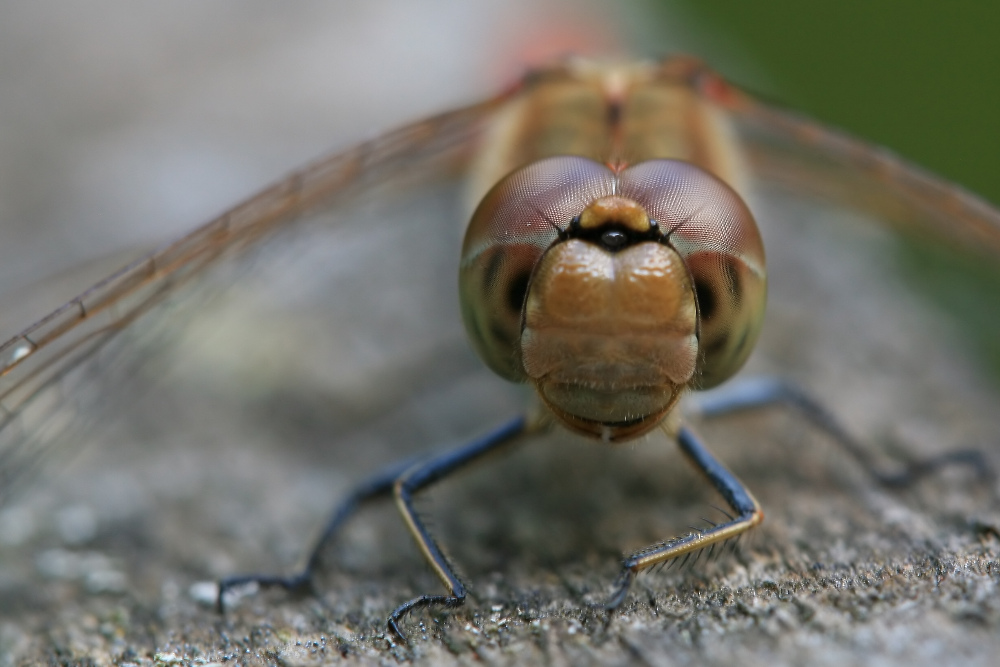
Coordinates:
x,y
611,292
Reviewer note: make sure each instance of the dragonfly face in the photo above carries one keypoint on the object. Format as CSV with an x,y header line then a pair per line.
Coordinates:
x,y
570,283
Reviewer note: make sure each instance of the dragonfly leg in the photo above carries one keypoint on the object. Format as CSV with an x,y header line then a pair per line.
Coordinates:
x,y
420,477
378,485
763,392
381,484
746,514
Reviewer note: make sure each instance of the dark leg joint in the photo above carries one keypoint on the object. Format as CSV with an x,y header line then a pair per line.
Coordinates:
x,y
447,601
621,587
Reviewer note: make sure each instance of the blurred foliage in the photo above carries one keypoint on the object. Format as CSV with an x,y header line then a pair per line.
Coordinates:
x,y
967,288
919,77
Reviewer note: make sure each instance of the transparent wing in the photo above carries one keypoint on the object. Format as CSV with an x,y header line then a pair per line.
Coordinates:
x,y
49,372
808,158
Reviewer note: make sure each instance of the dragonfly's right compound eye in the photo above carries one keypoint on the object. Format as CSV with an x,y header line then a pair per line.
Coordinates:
x,y
512,227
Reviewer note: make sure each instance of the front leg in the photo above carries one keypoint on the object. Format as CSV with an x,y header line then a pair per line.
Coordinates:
x,y
422,476
746,514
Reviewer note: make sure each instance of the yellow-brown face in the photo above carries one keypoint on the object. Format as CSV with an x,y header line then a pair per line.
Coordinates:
x,y
609,325
579,280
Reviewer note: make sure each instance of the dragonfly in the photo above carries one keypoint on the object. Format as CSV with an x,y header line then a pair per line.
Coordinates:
x,y
613,263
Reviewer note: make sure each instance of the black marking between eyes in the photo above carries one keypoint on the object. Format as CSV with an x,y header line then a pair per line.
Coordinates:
x,y
612,236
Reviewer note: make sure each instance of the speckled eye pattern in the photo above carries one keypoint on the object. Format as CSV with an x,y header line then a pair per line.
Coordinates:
x,y
701,217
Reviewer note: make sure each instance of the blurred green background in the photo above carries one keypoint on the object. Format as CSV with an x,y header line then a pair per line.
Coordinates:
x,y
920,77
